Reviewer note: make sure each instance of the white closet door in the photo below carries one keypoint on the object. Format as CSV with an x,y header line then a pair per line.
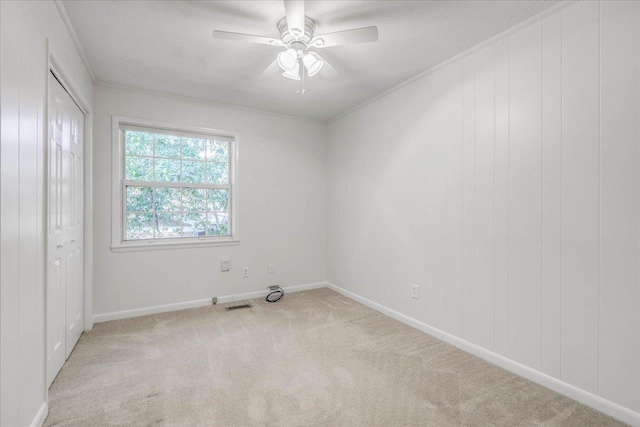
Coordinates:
x,y
57,220
64,227
75,249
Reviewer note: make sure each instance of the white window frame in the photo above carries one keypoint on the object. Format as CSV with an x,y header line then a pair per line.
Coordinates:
x,y
118,243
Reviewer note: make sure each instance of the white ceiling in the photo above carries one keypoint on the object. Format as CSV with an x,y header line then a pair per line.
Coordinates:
x,y
167,46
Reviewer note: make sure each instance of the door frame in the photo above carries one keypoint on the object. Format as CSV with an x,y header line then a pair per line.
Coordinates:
x,y
54,65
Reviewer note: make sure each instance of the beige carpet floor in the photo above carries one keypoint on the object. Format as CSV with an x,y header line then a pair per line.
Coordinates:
x,y
315,358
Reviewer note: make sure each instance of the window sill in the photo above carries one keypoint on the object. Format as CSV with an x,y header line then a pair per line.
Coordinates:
x,y
156,245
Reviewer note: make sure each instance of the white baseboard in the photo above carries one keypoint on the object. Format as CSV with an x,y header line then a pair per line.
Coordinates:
x,y
596,402
137,312
126,314
308,286
38,421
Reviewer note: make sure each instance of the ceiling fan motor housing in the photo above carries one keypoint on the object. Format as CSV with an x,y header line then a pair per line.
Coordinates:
x,y
288,38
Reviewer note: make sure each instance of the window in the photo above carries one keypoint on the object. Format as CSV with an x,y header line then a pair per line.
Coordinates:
x,y
176,185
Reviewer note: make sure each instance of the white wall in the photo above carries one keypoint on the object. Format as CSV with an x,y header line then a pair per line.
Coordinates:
x,y
506,186
282,208
25,28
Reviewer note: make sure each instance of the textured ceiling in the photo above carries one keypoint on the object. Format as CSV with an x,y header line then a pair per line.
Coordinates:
x,y
167,46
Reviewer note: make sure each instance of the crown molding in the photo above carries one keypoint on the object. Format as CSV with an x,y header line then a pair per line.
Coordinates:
x,y
65,17
205,101
74,37
535,18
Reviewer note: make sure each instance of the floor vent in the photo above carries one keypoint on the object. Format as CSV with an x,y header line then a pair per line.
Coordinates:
x,y
237,307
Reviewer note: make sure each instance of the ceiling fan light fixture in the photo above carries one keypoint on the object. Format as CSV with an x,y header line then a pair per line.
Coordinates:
x,y
288,60
312,64
293,74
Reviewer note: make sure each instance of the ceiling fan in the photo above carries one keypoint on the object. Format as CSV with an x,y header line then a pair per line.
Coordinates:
x,y
297,36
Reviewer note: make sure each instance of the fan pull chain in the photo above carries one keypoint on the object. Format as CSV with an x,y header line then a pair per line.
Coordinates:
x,y
301,89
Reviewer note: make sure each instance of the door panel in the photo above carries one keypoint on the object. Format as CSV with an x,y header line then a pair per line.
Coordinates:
x,y
56,338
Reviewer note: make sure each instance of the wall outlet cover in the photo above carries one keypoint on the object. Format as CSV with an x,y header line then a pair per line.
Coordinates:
x,y
415,291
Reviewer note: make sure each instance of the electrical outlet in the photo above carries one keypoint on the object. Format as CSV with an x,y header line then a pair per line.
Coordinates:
x,y
224,265
270,268
245,272
415,291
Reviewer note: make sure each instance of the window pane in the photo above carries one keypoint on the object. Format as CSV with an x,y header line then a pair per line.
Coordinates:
x,y
139,199
138,168
138,143
168,226
181,212
139,227
192,171
217,173
194,224
168,146
218,151
194,200
167,199
167,170
193,148
218,200
218,224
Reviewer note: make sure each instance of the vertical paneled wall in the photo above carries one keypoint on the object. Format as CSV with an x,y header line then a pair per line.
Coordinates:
x,y
580,194
618,201
506,186
25,28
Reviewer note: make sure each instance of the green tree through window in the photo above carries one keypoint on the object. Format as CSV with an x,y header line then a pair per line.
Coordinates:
x,y
176,186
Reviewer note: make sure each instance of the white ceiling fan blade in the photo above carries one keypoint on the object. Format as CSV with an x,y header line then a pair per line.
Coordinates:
x,y
328,71
358,35
295,17
238,37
